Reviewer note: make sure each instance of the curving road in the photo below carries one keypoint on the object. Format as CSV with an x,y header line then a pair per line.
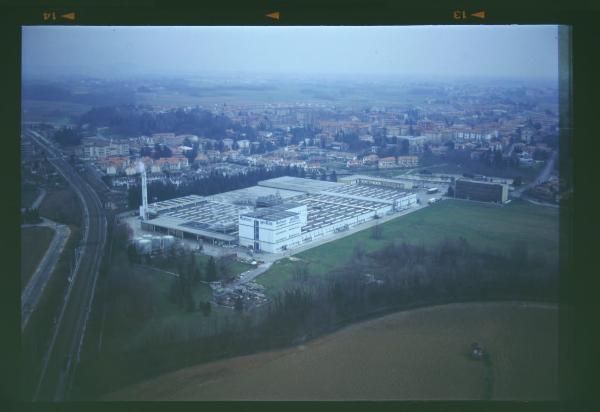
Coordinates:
x,y
65,345
38,200
541,178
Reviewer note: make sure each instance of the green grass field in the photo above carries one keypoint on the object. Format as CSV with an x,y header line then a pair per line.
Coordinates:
x,y
34,240
166,311
61,205
420,354
235,266
482,225
169,318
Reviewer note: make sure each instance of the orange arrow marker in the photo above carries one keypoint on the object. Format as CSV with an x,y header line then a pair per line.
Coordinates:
x,y
480,14
274,15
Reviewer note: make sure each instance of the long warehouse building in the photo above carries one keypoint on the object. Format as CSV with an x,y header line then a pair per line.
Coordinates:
x,y
276,215
481,190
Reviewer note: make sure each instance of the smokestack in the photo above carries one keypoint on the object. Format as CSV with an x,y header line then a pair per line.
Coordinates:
x,y
144,207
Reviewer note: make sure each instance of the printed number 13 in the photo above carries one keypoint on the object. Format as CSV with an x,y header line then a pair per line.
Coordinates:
x,y
460,14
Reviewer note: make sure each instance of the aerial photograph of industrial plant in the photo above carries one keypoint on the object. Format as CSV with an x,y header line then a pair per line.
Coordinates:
x,y
290,213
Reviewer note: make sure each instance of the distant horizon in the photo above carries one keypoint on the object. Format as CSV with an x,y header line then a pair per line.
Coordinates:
x,y
41,73
403,53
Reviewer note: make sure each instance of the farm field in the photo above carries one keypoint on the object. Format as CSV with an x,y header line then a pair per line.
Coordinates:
x,y
34,240
412,355
62,205
200,93
482,225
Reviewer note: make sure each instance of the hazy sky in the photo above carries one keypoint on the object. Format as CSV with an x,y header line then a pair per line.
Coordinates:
x,y
497,51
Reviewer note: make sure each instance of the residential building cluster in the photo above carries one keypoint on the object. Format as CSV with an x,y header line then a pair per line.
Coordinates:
x,y
320,138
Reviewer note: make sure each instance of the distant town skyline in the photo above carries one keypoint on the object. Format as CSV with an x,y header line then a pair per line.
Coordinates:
x,y
523,52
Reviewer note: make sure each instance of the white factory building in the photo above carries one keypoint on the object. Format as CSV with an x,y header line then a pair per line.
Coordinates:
x,y
273,229
279,214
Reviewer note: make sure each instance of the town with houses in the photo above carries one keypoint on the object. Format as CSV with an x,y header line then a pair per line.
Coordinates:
x,y
382,138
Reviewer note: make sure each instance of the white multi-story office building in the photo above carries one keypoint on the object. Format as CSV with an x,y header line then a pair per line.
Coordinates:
x,y
273,229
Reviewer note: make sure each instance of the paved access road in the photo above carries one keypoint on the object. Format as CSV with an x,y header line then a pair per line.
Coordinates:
x,y
65,345
38,200
250,275
542,177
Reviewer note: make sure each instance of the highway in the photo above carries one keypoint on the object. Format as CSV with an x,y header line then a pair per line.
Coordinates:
x,y
64,348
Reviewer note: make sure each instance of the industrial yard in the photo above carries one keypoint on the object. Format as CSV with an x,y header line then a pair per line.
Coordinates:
x,y
275,216
265,223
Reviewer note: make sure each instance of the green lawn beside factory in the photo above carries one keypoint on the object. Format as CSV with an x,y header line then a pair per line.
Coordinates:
x,y
168,318
483,225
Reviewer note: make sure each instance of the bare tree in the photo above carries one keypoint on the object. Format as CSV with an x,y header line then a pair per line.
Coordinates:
x,y
359,251
301,271
377,232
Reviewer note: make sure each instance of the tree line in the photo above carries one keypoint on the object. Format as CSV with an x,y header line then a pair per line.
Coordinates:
x,y
132,120
403,275
216,182
157,152
68,136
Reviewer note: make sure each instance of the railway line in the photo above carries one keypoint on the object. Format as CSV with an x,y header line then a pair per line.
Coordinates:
x,y
67,338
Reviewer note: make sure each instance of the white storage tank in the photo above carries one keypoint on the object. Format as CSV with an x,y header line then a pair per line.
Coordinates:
x,y
136,242
144,246
156,242
168,241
